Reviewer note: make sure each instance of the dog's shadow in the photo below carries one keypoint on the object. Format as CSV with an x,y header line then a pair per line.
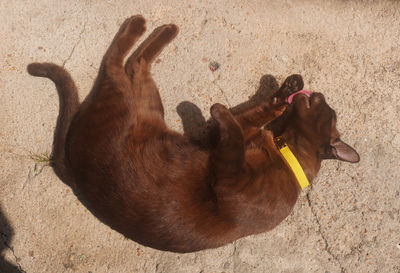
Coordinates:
x,y
203,133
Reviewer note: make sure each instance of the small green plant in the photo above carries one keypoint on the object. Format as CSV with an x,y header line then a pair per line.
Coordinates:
x,y
43,158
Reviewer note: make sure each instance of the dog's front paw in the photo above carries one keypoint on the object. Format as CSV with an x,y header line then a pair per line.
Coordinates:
x,y
291,85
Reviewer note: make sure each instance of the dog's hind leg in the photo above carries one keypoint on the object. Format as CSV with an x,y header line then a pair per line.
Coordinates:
x,y
151,47
111,73
145,93
128,34
107,113
111,94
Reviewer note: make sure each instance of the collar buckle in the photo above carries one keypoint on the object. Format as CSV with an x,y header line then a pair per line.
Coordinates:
x,y
279,142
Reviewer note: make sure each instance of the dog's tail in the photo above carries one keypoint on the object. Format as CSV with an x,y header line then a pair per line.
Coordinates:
x,y
69,104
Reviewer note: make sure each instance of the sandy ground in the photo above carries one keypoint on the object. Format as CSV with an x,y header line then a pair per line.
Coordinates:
x,y
347,221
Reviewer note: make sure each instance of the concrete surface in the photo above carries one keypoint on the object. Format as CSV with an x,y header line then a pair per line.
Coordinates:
x,y
348,221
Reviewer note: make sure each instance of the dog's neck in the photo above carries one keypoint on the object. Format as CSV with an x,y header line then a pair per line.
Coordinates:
x,y
305,152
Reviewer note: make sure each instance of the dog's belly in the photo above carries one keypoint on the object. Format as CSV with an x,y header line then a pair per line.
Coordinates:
x,y
156,192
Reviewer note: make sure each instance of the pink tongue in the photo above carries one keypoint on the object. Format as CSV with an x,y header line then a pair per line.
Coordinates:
x,y
290,98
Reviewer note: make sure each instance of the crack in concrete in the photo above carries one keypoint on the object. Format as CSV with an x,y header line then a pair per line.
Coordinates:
x,y
17,259
326,248
222,91
157,266
234,257
76,44
38,171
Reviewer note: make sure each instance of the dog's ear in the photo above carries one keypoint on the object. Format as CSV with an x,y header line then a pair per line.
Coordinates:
x,y
341,151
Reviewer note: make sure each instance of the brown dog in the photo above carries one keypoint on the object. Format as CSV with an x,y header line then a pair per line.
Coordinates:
x,y
154,186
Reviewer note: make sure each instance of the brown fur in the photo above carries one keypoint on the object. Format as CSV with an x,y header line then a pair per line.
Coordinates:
x,y
159,189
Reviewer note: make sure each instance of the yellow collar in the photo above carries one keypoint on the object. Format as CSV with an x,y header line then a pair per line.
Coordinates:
x,y
293,162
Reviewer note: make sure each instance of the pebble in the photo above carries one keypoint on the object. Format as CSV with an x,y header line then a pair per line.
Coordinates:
x,y
214,66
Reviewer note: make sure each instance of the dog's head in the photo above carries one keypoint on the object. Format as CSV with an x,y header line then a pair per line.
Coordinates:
x,y
312,118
